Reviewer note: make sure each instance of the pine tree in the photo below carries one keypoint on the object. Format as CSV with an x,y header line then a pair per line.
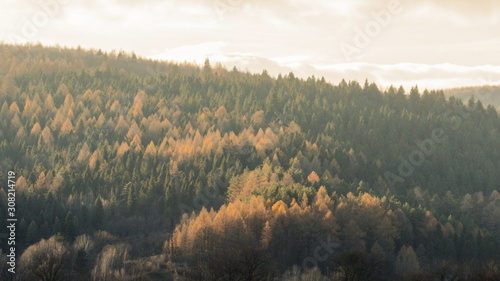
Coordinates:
x,y
69,227
272,105
32,234
57,227
97,214
84,217
131,200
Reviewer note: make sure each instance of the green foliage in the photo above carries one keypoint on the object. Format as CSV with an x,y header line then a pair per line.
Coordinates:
x,y
106,141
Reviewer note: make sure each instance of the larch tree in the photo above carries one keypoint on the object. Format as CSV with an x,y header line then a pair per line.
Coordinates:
x,y
267,235
47,136
136,110
84,154
68,102
94,159
406,262
13,109
15,122
58,120
258,118
21,134
115,107
150,151
133,131
141,97
67,127
313,178
22,185
49,103
122,149
136,143
36,130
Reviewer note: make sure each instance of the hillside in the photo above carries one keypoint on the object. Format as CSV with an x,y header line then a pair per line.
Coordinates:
x,y
486,94
224,173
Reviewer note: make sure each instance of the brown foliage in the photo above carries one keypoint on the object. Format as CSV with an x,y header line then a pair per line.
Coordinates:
x,y
44,261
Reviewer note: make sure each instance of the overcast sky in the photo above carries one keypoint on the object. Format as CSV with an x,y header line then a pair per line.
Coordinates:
x,y
432,43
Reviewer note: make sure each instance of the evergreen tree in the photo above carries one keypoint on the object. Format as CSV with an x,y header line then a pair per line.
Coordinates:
x,y
97,214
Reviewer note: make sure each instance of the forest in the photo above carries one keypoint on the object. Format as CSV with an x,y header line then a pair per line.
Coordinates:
x,y
488,94
128,168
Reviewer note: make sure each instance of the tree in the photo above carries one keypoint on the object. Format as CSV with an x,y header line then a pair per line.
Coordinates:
x,y
84,247
267,235
136,143
133,131
14,109
254,264
45,261
49,103
131,199
122,149
94,160
221,113
150,151
83,156
36,130
97,214
47,136
313,178
115,107
67,127
207,69
57,227
272,105
68,100
110,263
258,118
32,234
69,227
121,126
406,262
356,265
21,134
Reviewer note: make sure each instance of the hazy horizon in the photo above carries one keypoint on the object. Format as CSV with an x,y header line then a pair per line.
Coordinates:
x,y
435,44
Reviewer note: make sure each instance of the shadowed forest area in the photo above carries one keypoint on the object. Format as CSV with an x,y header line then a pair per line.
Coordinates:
x,y
133,169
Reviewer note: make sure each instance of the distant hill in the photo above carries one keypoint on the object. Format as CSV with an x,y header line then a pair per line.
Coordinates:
x,y
486,94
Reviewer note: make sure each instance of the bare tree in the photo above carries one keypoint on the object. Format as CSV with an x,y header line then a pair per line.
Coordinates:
x,y
254,264
83,255
447,271
45,260
356,265
110,263
244,264
487,272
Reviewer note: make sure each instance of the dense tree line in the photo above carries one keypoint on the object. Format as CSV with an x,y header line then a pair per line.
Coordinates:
x,y
488,94
187,159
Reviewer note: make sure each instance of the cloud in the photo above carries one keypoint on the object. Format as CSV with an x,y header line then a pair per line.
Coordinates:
x,y
436,43
432,76
195,53
467,8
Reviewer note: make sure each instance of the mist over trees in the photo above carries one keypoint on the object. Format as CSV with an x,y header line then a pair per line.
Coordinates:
x,y
133,169
488,94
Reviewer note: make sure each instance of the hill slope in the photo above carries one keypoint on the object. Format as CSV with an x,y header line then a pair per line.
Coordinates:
x,y
486,94
106,141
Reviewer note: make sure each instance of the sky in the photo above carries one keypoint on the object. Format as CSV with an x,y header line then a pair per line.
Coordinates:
x,y
429,43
